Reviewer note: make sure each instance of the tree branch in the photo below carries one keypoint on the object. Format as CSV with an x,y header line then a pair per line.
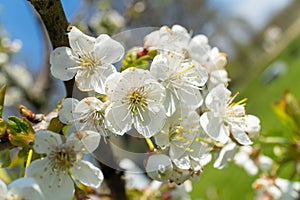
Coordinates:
x,y
57,25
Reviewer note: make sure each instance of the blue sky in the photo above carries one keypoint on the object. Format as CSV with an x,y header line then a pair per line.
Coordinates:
x,y
17,19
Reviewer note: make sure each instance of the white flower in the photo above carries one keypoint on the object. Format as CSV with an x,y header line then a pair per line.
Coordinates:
x,y
224,117
22,188
181,133
175,39
159,167
62,161
87,114
90,59
136,98
276,188
181,78
162,168
199,49
252,161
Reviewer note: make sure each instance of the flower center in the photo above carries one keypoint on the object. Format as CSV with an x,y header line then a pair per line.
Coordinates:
x,y
137,100
87,60
63,158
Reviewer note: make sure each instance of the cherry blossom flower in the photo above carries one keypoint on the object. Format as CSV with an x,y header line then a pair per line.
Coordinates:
x,y
276,188
85,115
89,60
225,117
252,161
181,133
182,80
63,162
22,188
162,168
136,98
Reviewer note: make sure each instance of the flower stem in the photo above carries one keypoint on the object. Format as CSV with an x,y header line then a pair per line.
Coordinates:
x,y
150,144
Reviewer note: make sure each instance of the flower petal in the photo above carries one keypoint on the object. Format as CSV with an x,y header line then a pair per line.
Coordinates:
x,y
26,188
214,127
190,96
240,135
89,139
79,42
159,167
58,183
61,63
108,50
3,188
226,154
152,124
84,81
45,141
199,48
66,112
86,173
118,119
100,76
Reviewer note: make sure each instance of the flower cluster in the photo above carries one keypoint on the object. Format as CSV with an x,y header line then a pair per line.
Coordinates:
x,y
180,98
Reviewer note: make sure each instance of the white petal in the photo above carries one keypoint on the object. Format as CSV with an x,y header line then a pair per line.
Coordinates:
x,y
199,49
190,96
89,139
218,77
159,167
108,50
162,139
26,188
83,80
111,83
86,173
170,103
217,95
159,67
118,119
214,127
66,112
226,154
252,125
80,42
219,60
61,61
51,182
152,124
3,188
100,76
240,135
45,141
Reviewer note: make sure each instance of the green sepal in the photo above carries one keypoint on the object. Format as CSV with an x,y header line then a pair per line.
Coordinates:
x,y
20,132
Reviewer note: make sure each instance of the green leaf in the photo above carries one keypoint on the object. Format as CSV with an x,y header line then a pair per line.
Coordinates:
x,y
2,95
18,124
20,132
